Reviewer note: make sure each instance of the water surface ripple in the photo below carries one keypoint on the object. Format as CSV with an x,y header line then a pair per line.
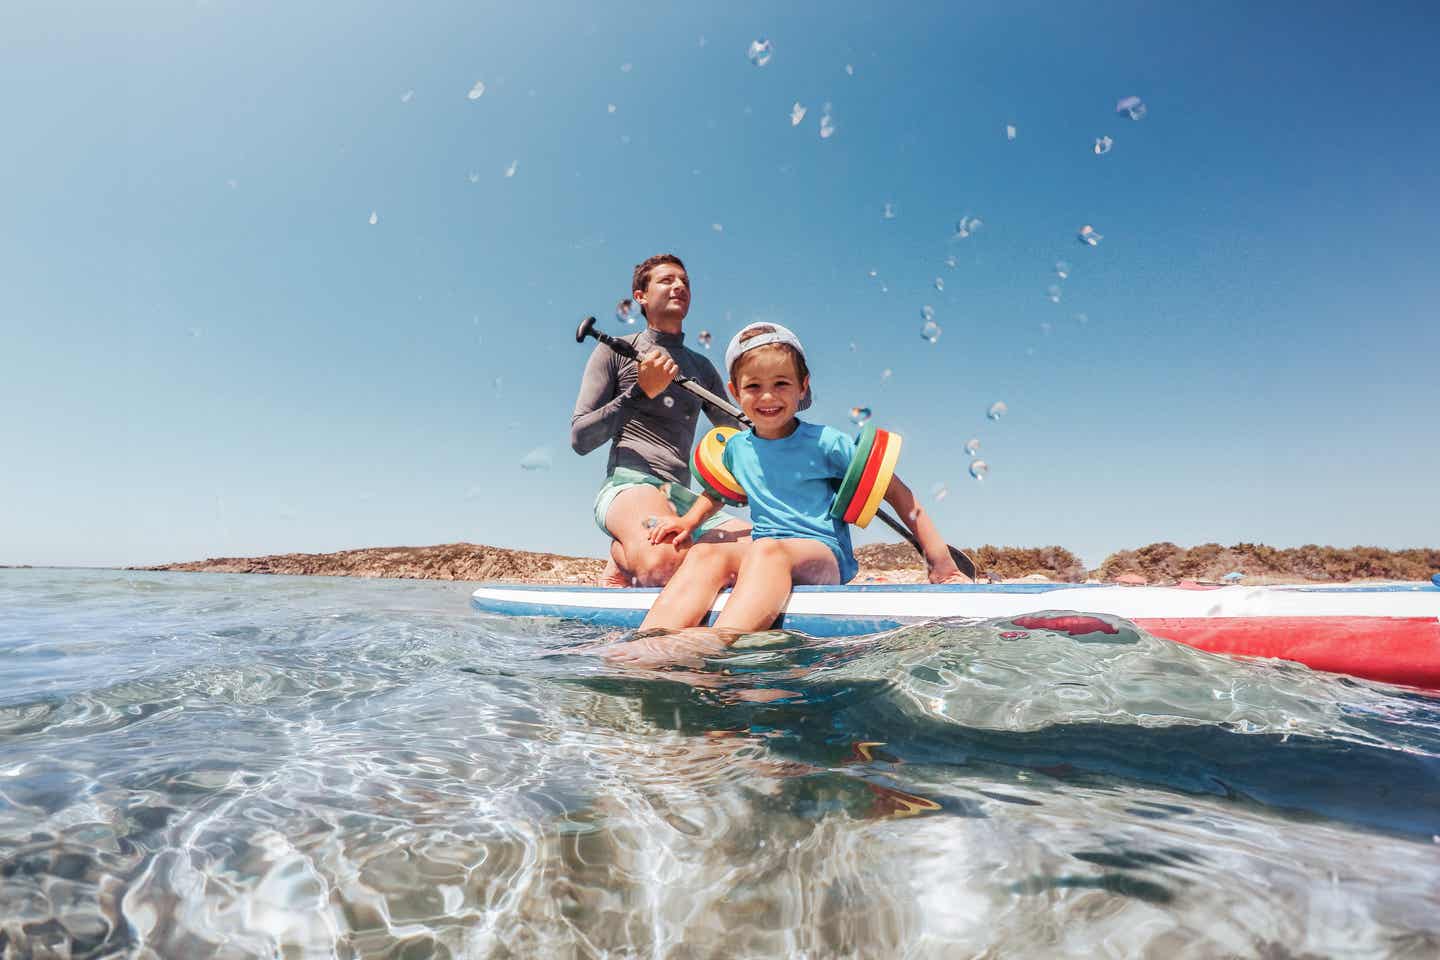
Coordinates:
x,y
228,766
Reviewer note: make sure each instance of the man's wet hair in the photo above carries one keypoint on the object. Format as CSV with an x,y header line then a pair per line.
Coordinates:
x,y
640,279
802,370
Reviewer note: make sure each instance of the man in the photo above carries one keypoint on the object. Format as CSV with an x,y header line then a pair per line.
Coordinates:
x,y
650,423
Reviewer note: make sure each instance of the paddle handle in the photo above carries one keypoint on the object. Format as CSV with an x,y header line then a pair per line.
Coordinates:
x,y
626,349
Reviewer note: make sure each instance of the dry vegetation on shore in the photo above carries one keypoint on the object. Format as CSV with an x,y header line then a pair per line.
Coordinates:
x,y
894,562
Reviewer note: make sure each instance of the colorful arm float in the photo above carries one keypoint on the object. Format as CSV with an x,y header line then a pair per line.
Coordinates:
x,y
708,465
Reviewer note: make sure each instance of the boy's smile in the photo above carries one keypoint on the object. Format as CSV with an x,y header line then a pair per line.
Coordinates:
x,y
769,390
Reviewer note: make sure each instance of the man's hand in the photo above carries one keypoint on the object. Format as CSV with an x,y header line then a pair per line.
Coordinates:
x,y
657,371
945,571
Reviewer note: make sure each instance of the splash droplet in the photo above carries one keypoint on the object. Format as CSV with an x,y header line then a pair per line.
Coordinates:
x,y
1088,236
1103,145
510,170
609,108
625,311
760,52
997,410
477,91
668,401
930,331
940,283
1010,132
827,123
979,469
626,67
859,415
407,96
966,226
885,374
473,176
927,313
1132,107
797,113
499,387
972,446
889,212
718,227
939,491
952,262
852,346
849,70
704,339
1052,293
538,459
374,218
1082,319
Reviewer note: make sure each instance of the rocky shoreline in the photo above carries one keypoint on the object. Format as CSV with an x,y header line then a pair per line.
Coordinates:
x,y
889,562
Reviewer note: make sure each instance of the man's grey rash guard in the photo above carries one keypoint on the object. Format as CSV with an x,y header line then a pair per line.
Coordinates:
x,y
652,436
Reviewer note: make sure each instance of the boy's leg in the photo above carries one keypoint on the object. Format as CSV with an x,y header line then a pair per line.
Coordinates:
x,y
708,569
649,564
767,571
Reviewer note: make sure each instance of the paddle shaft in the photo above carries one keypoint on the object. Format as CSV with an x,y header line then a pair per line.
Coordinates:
x,y
625,349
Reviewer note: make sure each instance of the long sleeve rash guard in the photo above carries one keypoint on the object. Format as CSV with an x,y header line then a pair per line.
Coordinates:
x,y
655,435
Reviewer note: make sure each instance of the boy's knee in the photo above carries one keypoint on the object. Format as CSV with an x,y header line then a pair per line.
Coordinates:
x,y
766,551
655,567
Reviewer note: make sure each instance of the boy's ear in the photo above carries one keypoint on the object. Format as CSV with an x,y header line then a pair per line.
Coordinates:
x,y
733,392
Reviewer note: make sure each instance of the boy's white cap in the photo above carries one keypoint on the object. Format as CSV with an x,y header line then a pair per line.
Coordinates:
x,y
776,334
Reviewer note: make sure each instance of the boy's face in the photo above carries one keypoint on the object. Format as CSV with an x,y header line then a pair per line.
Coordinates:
x,y
666,297
769,387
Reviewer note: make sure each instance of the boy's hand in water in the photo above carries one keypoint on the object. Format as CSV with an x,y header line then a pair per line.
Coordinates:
x,y
657,370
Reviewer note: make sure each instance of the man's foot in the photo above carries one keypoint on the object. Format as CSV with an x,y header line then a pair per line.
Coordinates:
x,y
612,576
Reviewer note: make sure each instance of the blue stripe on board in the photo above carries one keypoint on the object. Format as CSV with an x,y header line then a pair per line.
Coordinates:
x,y
1377,588
816,625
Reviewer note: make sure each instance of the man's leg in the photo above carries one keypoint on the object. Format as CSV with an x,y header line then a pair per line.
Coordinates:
x,y
767,570
617,571
649,564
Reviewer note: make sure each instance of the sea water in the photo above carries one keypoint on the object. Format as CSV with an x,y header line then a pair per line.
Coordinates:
x,y
197,765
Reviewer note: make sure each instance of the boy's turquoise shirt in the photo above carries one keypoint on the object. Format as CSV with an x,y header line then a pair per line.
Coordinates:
x,y
791,483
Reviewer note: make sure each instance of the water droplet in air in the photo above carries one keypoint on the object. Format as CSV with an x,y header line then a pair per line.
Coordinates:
x,y
1010,132
979,469
374,218
668,401
626,67
889,212
1052,293
827,123
625,311
407,96
477,91
939,283
997,410
510,170
930,331
849,70
952,262
1062,269
1103,145
852,346
885,374
1046,327
873,273
473,176
760,52
609,108
966,226
233,184
797,113
538,459
1082,319
704,339
1132,107
927,313
718,227
858,415
499,386
1088,236
939,491
972,446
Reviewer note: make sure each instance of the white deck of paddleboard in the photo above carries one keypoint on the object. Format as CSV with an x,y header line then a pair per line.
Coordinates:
x,y
925,602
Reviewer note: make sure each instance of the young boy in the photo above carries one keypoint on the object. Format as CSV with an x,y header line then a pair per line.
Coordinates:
x,y
790,471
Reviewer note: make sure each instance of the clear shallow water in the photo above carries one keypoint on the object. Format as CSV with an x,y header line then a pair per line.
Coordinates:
x,y
202,765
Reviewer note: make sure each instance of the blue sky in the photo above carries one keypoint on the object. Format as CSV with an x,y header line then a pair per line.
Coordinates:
x,y
207,349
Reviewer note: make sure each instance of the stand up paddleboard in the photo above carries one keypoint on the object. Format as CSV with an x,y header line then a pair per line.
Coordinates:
x,y
1388,632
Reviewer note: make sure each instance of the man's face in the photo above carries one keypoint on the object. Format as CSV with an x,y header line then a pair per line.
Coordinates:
x,y
666,298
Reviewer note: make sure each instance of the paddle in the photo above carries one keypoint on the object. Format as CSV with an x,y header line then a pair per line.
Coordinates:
x,y
625,349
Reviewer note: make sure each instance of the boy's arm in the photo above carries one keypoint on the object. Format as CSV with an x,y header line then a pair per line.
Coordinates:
x,y
937,552
681,529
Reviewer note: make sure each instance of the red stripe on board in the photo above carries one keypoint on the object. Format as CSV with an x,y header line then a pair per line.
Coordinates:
x,y
1393,649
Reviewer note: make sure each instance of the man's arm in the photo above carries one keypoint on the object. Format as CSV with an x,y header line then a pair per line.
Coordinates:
x,y
601,408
